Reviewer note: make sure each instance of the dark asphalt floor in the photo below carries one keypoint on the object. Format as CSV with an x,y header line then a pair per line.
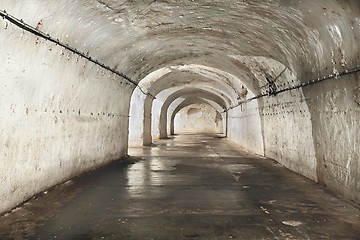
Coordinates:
x,y
189,187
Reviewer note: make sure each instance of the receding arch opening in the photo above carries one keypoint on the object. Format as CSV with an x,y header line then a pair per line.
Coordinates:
x,y
198,118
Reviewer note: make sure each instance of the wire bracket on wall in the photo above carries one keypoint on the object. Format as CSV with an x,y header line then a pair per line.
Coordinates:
x,y
21,24
271,83
300,85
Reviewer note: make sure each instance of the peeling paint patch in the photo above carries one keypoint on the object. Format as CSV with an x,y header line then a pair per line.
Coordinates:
x,y
264,210
357,96
358,21
335,71
343,58
292,223
336,34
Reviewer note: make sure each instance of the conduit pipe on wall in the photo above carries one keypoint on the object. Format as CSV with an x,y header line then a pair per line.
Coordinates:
x,y
21,24
301,85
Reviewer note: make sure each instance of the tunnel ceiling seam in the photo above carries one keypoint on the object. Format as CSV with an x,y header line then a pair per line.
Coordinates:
x,y
21,24
273,89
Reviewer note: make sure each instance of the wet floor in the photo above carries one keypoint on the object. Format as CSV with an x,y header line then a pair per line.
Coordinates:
x,y
189,187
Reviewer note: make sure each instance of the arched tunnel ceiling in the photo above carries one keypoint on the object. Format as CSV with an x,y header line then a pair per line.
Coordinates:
x,y
311,38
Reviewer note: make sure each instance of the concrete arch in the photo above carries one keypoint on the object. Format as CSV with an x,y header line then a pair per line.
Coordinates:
x,y
187,92
265,70
162,96
155,82
141,110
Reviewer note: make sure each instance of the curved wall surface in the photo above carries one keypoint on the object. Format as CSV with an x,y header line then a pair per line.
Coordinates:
x,y
285,73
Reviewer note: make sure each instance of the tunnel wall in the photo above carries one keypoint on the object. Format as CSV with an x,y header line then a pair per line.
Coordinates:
x,y
287,132
334,107
56,122
244,127
198,118
278,127
312,131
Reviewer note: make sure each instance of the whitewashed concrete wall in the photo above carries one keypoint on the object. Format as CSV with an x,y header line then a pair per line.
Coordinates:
x,y
313,131
155,131
244,127
334,107
278,127
136,124
287,132
60,115
170,123
198,118
218,108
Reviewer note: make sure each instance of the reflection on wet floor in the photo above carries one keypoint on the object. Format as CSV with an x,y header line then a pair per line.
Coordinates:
x,y
188,187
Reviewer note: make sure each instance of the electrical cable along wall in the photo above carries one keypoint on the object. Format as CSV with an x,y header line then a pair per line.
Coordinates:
x,y
274,90
19,22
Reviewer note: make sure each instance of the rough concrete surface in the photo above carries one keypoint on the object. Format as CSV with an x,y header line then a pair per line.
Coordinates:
x,y
284,72
56,122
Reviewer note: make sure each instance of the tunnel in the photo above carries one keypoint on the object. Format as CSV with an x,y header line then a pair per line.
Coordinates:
x,y
84,82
